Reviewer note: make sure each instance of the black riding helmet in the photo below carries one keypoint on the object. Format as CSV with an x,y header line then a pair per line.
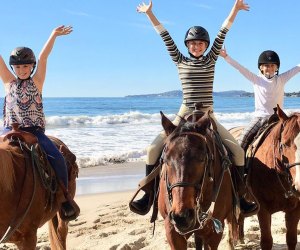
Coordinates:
x,y
267,57
22,55
197,33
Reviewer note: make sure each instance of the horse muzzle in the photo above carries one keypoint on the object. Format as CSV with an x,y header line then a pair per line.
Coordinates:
x,y
183,221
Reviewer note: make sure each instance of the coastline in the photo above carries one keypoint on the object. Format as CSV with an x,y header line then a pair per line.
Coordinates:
x,y
109,178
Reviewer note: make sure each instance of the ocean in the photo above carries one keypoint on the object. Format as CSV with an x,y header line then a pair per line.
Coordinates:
x,y
101,131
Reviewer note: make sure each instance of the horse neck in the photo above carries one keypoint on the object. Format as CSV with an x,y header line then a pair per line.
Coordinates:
x,y
7,176
279,143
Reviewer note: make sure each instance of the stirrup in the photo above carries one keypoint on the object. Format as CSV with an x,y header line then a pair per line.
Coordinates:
x,y
146,185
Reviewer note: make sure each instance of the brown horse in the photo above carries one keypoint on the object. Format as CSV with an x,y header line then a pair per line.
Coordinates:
x,y
272,178
25,202
195,190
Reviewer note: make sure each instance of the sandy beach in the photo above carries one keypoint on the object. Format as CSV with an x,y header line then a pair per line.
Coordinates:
x,y
106,222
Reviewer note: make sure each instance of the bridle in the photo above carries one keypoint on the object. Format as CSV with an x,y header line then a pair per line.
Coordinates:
x,y
201,216
290,191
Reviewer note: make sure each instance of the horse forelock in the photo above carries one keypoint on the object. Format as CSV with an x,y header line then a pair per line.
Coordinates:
x,y
187,126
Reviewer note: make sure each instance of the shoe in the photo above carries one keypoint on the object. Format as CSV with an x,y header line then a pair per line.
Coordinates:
x,y
68,212
142,204
248,208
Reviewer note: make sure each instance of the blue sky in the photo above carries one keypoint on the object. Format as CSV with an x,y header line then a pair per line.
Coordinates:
x,y
114,51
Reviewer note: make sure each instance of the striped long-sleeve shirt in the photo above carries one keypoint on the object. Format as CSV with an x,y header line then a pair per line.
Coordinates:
x,y
196,75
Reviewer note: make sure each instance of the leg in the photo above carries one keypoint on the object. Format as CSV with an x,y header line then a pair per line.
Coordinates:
x,y
238,157
249,132
54,157
241,236
266,240
69,209
247,208
58,230
213,242
28,242
198,241
291,222
142,206
175,240
232,232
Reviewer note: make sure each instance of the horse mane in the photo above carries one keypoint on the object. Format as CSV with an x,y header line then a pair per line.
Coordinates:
x,y
7,176
290,126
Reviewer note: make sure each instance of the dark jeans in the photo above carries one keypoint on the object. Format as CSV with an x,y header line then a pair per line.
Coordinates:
x,y
54,156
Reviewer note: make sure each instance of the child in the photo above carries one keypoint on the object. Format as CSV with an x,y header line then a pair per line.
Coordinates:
x,y
197,75
268,92
23,105
268,89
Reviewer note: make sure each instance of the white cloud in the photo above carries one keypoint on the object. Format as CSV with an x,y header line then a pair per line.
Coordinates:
x,y
202,6
77,13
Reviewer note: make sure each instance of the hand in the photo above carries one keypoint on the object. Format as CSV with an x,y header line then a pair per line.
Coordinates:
x,y
223,52
240,5
62,30
144,8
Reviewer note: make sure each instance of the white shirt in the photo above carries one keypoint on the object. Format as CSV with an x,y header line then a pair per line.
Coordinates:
x,y
267,92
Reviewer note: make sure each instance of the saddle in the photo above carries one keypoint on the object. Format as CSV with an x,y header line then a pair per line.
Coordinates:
x,y
259,137
15,133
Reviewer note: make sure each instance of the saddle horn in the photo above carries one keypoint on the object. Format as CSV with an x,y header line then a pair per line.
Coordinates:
x,y
198,113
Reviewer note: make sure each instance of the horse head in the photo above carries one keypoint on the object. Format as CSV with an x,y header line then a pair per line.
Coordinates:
x,y
186,158
288,138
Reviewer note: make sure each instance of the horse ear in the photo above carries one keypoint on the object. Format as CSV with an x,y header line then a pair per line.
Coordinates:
x,y
282,116
168,126
204,122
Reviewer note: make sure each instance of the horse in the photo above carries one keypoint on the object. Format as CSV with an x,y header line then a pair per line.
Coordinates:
x,y
274,171
26,204
195,188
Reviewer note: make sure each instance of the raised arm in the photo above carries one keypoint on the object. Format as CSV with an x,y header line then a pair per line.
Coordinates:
x,y
238,5
5,74
39,76
253,78
223,52
147,9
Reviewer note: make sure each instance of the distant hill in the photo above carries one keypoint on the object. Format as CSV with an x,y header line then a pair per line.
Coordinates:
x,y
174,93
233,93
178,93
230,93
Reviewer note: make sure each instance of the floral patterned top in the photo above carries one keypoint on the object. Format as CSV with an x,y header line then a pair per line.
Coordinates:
x,y
23,104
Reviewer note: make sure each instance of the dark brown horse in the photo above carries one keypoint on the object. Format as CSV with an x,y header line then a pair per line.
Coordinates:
x,y
25,202
272,178
195,192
